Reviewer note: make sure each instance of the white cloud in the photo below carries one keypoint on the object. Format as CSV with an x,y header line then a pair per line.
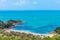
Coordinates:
x,y
19,3
9,2
16,3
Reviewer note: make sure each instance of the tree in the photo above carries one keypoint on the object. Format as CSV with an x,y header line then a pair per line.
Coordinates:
x,y
57,30
13,21
2,24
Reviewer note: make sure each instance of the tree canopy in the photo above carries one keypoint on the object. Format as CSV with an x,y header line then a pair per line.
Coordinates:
x,y
9,23
57,30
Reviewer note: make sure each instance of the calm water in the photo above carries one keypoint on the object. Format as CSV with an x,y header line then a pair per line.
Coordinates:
x,y
34,21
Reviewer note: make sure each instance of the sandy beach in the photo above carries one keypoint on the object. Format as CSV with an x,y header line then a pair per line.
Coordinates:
x,y
28,32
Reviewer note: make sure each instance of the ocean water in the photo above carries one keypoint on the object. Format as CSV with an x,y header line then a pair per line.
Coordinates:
x,y
37,21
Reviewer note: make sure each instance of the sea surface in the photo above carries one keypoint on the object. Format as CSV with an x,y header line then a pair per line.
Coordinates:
x,y
37,21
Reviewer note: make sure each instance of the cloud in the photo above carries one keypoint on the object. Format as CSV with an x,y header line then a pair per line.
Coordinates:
x,y
19,3
16,2
10,2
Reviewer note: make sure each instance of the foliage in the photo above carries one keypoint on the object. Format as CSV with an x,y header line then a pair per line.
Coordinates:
x,y
17,36
55,37
13,21
23,36
9,22
57,30
2,24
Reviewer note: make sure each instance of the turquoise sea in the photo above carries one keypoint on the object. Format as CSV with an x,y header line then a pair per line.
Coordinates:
x,y
37,21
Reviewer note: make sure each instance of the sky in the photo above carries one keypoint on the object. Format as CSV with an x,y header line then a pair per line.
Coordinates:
x,y
29,4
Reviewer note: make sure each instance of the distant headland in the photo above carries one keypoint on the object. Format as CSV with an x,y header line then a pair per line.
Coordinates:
x,y
9,24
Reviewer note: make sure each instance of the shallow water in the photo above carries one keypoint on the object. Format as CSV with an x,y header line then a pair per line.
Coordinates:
x,y
39,21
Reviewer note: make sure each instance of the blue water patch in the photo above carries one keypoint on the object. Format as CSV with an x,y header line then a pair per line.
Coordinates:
x,y
39,21
43,29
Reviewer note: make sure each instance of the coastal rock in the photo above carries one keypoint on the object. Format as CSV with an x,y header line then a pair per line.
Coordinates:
x,y
10,23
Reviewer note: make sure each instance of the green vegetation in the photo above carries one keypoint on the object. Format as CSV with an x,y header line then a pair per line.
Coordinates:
x,y
9,23
22,36
13,21
56,37
17,36
57,30
2,24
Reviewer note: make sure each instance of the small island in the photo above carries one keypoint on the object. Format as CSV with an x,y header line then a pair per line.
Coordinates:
x,y
7,34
